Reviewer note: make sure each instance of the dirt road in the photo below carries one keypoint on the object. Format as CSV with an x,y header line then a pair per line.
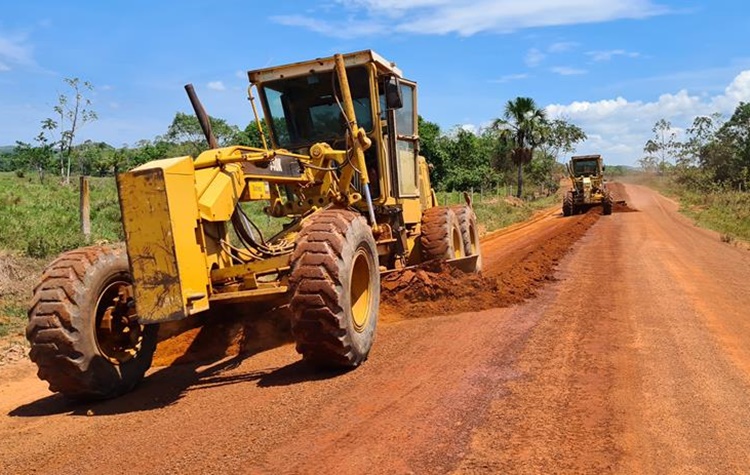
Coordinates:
x,y
631,357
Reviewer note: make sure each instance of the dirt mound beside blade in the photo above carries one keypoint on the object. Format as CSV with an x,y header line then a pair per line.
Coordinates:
x,y
434,289
514,273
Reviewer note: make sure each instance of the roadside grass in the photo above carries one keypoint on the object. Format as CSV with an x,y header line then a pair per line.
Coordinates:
x,y
42,220
498,211
726,212
12,319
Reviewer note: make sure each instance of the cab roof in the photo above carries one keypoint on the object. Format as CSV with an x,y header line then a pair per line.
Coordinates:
x,y
303,68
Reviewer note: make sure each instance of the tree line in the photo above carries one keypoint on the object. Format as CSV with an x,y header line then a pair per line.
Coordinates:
x,y
523,142
713,153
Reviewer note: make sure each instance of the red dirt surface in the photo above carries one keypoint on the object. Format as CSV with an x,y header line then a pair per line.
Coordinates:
x,y
634,358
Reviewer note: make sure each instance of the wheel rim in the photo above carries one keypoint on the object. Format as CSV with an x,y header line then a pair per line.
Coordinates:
x,y
458,243
361,295
118,335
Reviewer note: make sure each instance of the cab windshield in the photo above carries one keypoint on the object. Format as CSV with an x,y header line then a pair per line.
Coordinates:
x,y
304,110
585,167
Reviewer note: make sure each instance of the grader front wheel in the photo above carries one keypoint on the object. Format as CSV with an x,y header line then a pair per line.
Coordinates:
x,y
467,223
83,328
441,234
335,286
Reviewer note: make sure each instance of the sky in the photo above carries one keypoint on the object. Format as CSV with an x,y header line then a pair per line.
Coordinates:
x,y
613,67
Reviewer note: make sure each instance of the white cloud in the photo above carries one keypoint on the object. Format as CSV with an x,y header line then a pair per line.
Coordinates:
x,y
618,128
608,55
561,46
511,77
567,71
217,86
534,57
468,17
469,128
347,29
15,50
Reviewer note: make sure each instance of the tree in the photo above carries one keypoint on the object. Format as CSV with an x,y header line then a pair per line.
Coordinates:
x,y
664,147
186,130
70,115
648,163
432,146
522,126
697,137
560,138
37,157
728,155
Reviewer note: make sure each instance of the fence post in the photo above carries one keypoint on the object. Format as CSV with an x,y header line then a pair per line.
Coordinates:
x,y
85,207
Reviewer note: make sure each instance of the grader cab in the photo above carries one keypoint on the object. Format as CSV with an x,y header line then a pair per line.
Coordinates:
x,y
343,170
588,186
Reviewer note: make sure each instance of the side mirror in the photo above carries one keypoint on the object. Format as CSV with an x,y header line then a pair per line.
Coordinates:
x,y
393,98
603,168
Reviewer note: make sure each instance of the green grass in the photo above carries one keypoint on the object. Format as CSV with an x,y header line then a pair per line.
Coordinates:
x,y
498,211
12,319
42,220
726,212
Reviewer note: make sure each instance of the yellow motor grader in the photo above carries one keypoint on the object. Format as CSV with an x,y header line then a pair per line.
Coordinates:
x,y
589,188
343,170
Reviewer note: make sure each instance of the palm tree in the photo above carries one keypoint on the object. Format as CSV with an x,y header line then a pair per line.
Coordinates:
x,y
522,127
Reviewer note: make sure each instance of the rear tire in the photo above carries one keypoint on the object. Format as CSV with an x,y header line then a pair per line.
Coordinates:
x,y
74,350
467,223
568,207
335,287
607,203
441,234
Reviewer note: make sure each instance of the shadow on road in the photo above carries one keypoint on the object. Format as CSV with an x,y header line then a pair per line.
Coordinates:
x,y
202,366
168,385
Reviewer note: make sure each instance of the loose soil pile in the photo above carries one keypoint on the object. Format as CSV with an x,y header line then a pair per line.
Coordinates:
x,y
437,289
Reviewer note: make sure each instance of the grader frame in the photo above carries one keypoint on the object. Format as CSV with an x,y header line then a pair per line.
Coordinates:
x,y
343,166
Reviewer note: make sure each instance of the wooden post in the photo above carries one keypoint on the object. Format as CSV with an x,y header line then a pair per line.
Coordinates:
x,y
85,207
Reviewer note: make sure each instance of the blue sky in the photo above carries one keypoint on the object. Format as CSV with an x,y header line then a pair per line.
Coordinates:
x,y
612,66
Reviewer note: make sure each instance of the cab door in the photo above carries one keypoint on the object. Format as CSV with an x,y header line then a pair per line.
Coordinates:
x,y
404,143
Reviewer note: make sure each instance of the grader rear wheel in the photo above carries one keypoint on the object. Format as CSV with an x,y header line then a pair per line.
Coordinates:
x,y
441,234
83,329
607,203
335,286
568,207
467,223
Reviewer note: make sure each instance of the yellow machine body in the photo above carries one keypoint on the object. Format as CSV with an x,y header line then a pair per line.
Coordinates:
x,y
177,212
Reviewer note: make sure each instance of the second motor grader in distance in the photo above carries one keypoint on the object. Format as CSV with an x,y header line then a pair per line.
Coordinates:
x,y
588,186
343,169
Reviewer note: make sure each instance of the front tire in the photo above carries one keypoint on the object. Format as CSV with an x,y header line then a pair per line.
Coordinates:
x,y
441,234
83,330
467,223
335,287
